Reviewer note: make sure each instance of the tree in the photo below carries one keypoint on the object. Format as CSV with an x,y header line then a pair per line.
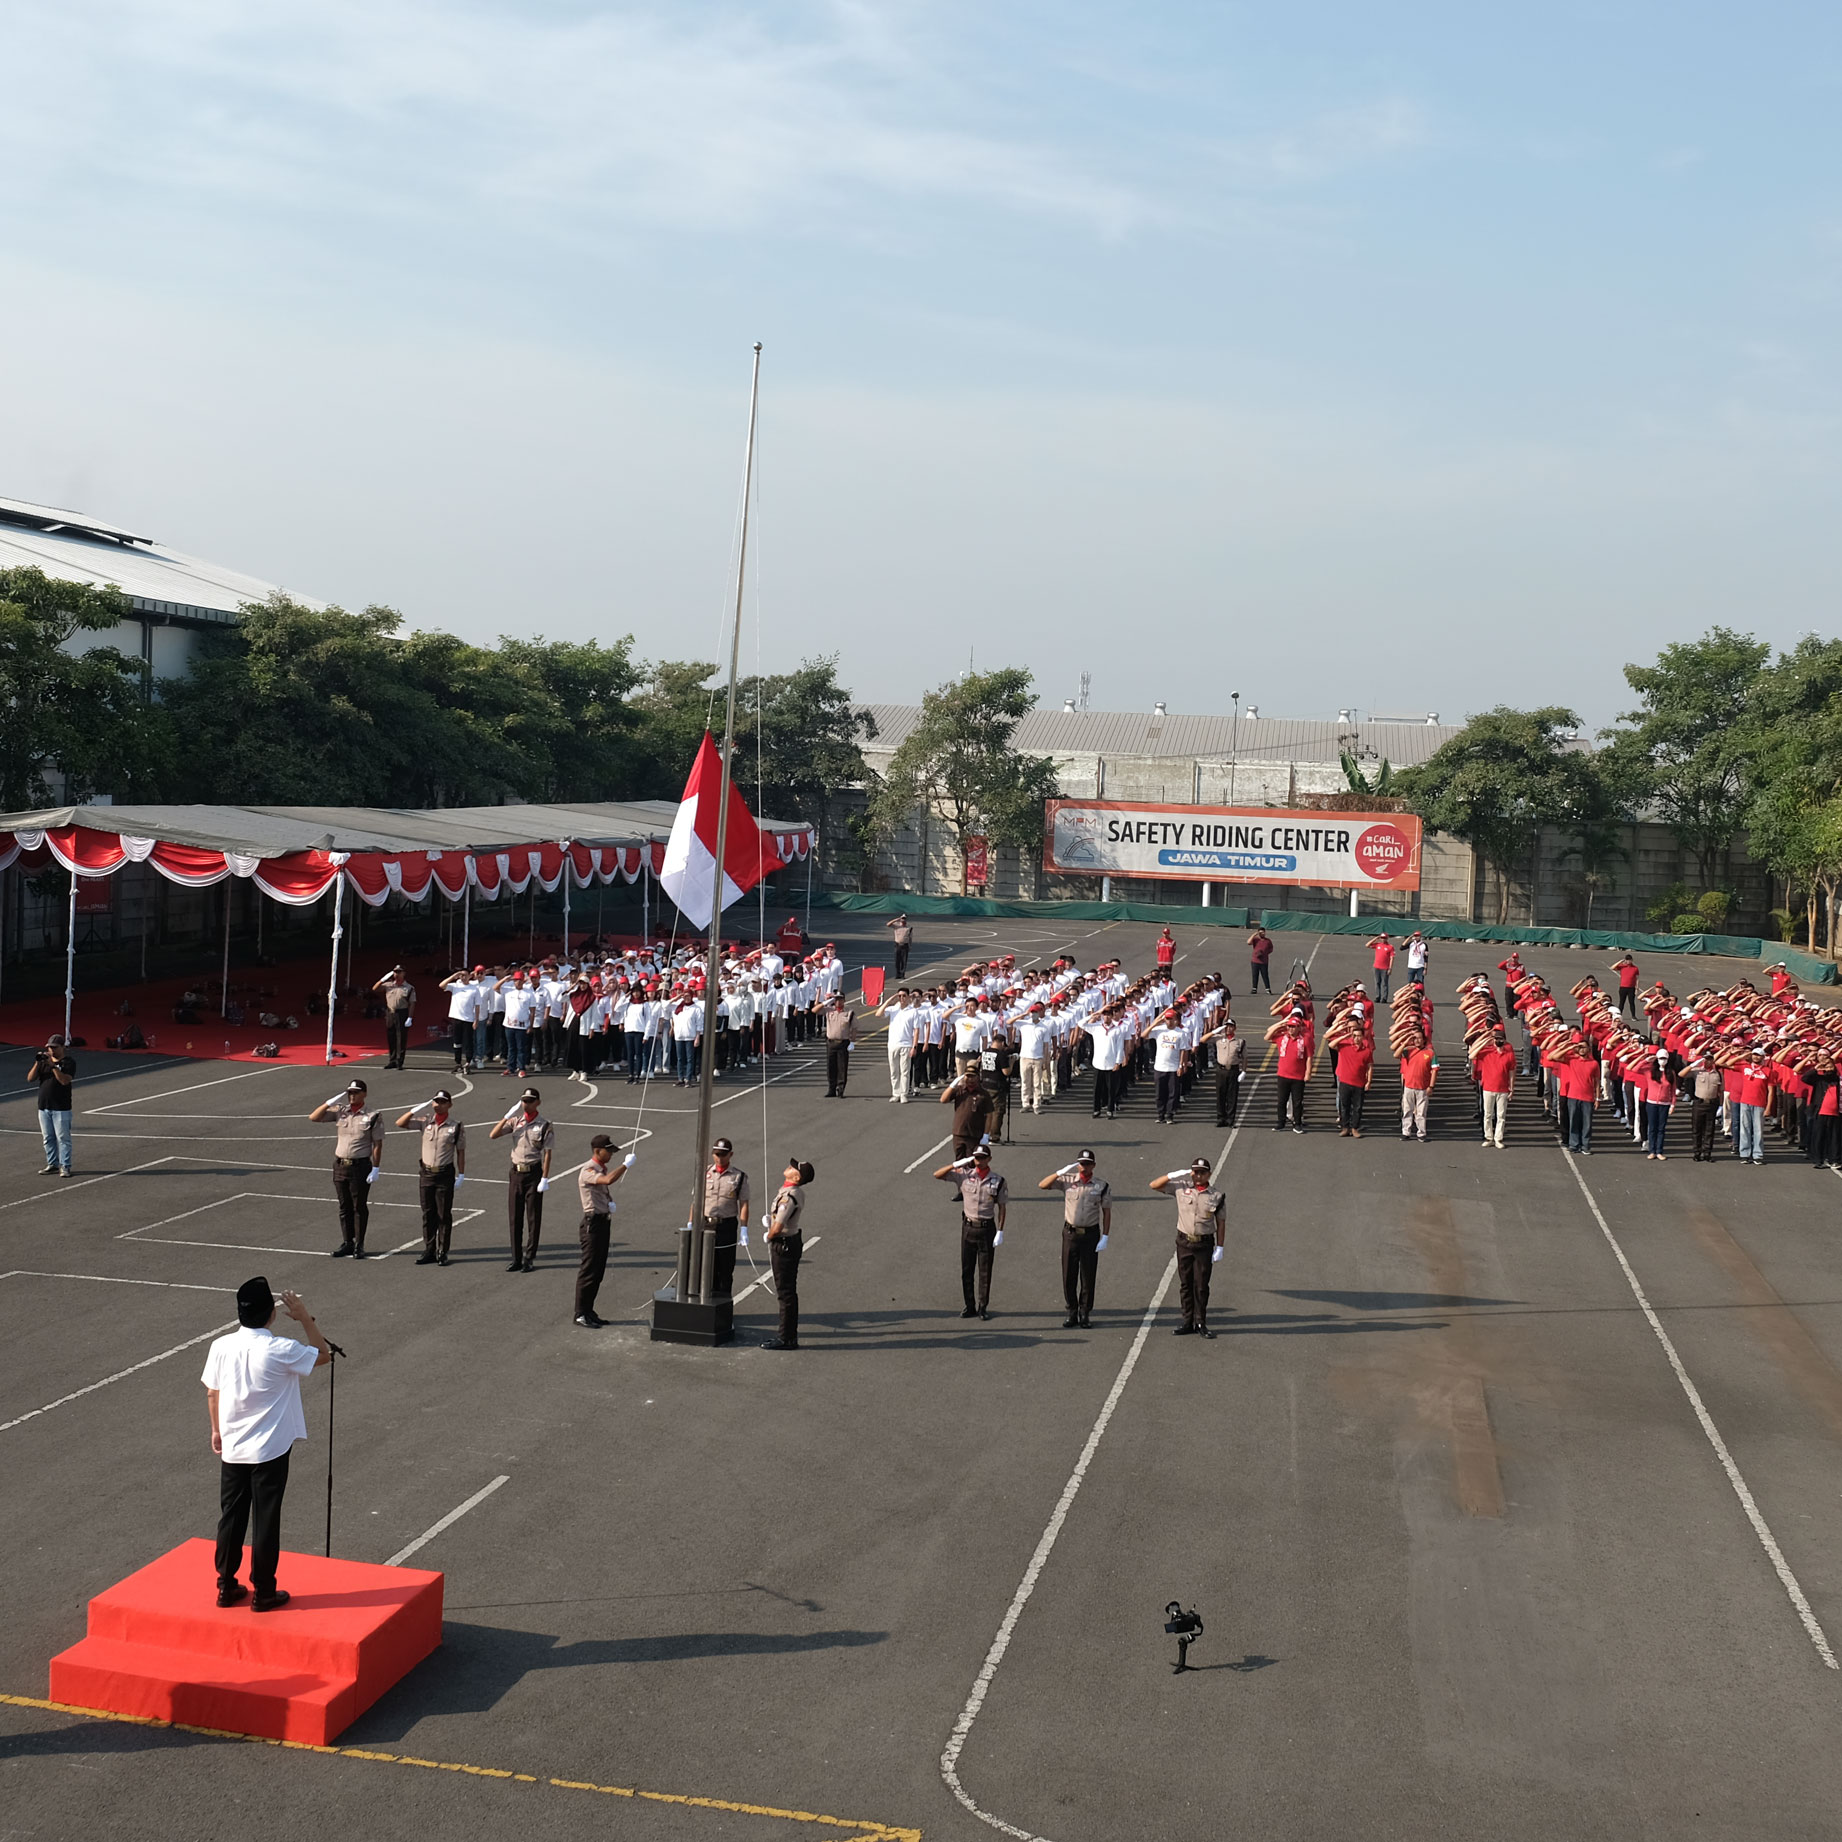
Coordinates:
x,y
570,717
960,763
673,709
1359,781
1684,747
1497,782
801,740
82,716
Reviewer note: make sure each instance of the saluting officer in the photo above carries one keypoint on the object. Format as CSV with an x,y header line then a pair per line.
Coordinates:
x,y
786,1243
358,1155
1202,1229
533,1141
982,1198
1230,1057
593,1181
726,1210
1087,1220
399,1012
442,1164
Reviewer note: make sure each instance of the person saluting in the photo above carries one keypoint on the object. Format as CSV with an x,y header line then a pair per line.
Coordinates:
x,y
1202,1230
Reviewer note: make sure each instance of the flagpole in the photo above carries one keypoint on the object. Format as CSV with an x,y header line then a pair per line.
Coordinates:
x,y
713,965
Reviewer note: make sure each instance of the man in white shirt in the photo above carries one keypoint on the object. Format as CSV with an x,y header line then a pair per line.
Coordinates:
x,y
253,1394
1035,1042
901,1012
463,1002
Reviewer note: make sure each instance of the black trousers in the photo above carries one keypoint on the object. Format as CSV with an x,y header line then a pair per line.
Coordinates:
x,y
354,1194
243,1490
1627,1000
901,959
1170,1094
1080,1268
783,1257
1261,977
977,1244
723,1264
1227,1095
1704,1121
460,1036
1823,1135
1109,1084
524,1208
837,1067
1291,1091
396,1040
1194,1260
1350,1100
1000,1111
438,1210
596,1232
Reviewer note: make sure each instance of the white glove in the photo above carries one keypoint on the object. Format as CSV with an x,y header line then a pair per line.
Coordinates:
x,y
543,1183
371,1175
460,1177
1102,1247
627,1162
1171,1176
1215,1259
742,1233
513,1114
997,1240
1068,1170
334,1101
961,1163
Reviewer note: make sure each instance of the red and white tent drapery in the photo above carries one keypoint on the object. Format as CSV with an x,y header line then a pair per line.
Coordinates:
x,y
299,878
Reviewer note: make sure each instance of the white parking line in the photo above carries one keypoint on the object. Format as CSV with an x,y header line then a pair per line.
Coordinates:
x,y
65,1189
111,1279
767,1278
1767,1540
64,1400
928,1153
447,1522
111,1106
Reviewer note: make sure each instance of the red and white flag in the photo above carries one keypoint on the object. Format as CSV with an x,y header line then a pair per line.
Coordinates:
x,y
688,875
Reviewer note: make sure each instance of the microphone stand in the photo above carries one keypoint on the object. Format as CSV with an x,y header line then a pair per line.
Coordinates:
x,y
332,1395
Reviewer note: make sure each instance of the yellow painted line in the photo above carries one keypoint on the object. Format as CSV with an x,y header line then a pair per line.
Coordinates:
x,y
863,1830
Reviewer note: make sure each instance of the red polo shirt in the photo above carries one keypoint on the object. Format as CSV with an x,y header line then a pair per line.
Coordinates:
x,y
1496,1068
1354,1060
1417,1069
1294,1053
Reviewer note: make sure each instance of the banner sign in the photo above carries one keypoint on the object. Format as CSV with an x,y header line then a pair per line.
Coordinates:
x,y
978,861
1233,844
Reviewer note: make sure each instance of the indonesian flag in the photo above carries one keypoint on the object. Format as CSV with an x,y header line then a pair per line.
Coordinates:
x,y
689,872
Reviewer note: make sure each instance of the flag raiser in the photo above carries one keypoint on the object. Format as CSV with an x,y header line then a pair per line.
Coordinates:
x,y
689,872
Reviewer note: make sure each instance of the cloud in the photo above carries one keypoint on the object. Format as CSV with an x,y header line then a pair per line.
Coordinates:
x,y
703,119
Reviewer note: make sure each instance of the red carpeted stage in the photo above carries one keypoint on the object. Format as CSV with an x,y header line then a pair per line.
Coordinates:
x,y
159,1646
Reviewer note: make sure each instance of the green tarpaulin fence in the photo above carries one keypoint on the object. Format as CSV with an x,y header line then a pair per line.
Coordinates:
x,y
1803,966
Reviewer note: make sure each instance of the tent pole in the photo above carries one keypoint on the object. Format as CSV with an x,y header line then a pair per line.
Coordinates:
x,y
332,981
646,892
223,1008
812,850
467,915
565,901
70,956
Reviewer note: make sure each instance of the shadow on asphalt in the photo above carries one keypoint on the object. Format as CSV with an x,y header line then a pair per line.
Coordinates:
x,y
1393,1301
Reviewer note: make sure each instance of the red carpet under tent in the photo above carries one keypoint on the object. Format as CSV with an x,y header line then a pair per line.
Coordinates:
x,y
159,1646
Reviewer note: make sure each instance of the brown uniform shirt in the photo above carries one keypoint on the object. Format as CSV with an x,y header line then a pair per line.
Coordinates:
x,y
1082,1203
784,1211
597,1198
400,999
1199,1211
980,1197
358,1132
531,1138
725,1191
841,1026
441,1139
971,1111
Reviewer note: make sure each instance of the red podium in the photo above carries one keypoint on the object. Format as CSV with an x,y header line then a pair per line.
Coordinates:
x,y
159,1645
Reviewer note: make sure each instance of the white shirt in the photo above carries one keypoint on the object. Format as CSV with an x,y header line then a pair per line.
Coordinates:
x,y
1107,1044
1171,1044
1416,953
1034,1044
970,1029
257,1376
901,1026
461,1001
688,1023
520,1001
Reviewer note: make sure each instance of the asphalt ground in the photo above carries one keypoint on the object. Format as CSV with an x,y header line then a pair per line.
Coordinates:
x,y
1486,1543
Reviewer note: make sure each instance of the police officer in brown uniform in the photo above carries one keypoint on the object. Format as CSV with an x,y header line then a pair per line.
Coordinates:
x,y
593,1181
1087,1220
441,1163
399,1008
1202,1218
983,1195
786,1243
971,1105
533,1141
725,1208
358,1154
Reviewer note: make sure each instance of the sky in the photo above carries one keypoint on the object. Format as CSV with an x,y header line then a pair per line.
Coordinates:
x,y
1402,358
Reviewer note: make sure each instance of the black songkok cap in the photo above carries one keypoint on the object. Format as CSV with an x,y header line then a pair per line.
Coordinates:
x,y
255,1303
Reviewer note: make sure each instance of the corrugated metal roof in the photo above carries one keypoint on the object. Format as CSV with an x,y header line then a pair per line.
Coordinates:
x,y
1123,733
155,578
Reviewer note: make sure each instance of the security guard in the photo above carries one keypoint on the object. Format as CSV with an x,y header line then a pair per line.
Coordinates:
x,y
1202,1218
982,1198
399,997
726,1210
1230,1058
785,1245
358,1155
441,1165
593,1181
1087,1220
533,1141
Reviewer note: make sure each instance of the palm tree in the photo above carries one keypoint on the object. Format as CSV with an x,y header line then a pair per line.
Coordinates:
x,y
1597,849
